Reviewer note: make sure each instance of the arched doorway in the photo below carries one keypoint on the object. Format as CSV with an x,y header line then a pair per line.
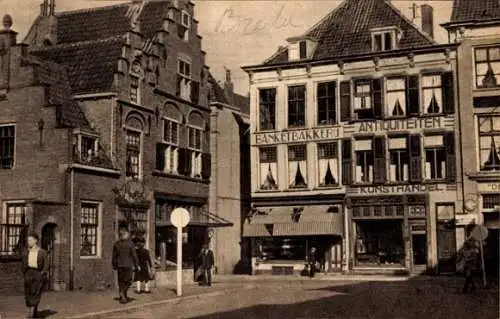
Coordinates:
x,y
48,243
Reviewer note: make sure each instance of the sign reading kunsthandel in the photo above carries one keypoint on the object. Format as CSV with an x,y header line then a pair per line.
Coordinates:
x,y
409,125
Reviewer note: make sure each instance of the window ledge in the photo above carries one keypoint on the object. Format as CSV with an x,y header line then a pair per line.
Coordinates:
x,y
178,176
88,168
297,189
484,176
267,191
332,187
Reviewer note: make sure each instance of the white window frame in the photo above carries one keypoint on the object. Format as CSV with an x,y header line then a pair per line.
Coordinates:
x,y
79,137
98,254
382,32
306,171
262,178
188,78
390,149
371,177
15,144
171,144
196,153
287,108
474,65
140,174
355,94
389,91
3,217
185,14
424,156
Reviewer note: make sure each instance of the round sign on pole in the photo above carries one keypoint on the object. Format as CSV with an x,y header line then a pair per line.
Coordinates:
x,y
479,233
180,217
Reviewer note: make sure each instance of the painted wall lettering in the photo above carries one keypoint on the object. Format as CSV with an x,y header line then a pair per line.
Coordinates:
x,y
315,134
399,125
399,189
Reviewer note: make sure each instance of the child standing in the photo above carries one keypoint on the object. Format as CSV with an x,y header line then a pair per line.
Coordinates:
x,y
144,274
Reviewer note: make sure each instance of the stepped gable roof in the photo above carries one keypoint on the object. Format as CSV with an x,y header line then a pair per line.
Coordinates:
x,y
345,31
91,65
475,10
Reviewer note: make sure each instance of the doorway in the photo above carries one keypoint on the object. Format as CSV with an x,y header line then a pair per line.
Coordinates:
x,y
48,243
419,249
446,247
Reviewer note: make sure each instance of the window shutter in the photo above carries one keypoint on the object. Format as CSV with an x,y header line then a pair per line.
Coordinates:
x,y
160,156
379,169
189,162
415,161
195,92
182,164
178,86
451,168
448,93
206,161
345,101
412,96
378,99
346,162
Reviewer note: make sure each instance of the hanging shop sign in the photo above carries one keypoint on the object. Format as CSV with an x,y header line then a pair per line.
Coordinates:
x,y
399,125
297,136
397,189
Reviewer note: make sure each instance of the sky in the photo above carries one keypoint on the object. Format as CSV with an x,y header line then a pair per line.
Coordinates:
x,y
235,33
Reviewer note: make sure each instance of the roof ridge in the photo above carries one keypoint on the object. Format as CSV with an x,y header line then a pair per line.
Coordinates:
x,y
92,9
116,38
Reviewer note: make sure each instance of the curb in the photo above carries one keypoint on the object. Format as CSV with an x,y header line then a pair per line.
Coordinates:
x,y
129,309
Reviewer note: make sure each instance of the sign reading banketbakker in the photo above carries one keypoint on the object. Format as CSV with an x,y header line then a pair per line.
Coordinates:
x,y
305,135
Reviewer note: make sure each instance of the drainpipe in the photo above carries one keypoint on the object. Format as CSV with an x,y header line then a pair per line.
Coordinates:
x,y
72,230
212,202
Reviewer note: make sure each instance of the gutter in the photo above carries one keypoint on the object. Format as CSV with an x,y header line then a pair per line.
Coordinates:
x,y
469,23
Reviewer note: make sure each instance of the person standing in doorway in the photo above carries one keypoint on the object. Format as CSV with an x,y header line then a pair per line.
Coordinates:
x,y
124,261
206,262
35,269
312,262
145,273
469,259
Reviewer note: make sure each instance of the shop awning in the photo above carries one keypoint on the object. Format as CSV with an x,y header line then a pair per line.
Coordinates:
x,y
206,219
279,221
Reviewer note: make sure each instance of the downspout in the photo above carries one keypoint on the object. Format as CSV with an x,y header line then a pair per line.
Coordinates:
x,y
72,230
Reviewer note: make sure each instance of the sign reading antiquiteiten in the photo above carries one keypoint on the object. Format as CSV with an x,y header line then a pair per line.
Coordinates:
x,y
305,135
399,125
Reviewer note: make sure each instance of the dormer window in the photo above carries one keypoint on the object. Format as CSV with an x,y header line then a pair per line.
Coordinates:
x,y
86,148
384,39
301,48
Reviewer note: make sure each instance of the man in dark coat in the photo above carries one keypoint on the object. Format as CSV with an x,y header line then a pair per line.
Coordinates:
x,y
124,262
206,262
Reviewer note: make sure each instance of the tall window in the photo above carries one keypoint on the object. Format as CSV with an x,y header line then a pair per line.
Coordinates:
x,y
326,103
184,79
171,141
7,142
396,97
195,145
435,157
185,25
89,229
487,67
489,142
267,109
399,159
297,166
296,106
134,89
12,226
133,141
363,101
432,96
268,173
364,161
328,164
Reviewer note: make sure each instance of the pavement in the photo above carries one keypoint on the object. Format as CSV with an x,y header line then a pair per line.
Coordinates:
x,y
278,297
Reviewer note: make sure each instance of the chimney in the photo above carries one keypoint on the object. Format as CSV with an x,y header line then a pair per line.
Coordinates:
x,y
427,19
44,8
228,86
52,8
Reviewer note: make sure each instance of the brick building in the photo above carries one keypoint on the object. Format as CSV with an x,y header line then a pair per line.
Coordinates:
x,y
105,122
354,145
476,26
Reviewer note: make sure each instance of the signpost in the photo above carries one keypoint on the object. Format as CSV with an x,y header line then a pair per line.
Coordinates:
x,y
480,233
179,218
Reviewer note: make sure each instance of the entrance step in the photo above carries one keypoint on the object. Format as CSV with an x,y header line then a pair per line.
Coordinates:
x,y
380,271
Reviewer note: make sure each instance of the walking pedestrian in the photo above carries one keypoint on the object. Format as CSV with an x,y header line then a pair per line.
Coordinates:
x,y
206,262
35,269
312,262
145,272
124,261
469,258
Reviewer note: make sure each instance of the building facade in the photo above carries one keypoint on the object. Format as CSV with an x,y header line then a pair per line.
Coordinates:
x,y
476,26
354,146
104,125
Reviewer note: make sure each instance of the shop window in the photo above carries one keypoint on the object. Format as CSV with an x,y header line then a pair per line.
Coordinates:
x,y
133,153
395,97
267,109
13,224
328,164
297,166
192,240
379,243
432,98
491,202
90,230
487,61
489,142
7,142
364,161
296,106
435,157
326,103
399,159
268,168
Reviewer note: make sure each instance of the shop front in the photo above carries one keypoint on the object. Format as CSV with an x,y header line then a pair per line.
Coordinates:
x,y
490,209
388,232
282,238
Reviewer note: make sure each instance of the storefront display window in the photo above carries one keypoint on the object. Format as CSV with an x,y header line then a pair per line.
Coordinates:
x,y
379,243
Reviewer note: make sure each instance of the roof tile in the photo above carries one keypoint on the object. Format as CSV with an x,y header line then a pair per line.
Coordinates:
x,y
475,10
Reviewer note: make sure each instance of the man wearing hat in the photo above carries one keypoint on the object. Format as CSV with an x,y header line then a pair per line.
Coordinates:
x,y
124,262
